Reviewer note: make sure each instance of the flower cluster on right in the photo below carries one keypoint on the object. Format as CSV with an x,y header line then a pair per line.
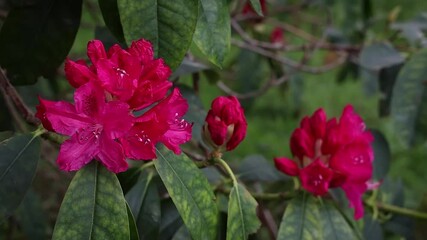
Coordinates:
x,y
332,153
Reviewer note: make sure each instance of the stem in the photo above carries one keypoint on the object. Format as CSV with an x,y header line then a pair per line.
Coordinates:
x,y
147,165
227,168
264,196
9,89
399,210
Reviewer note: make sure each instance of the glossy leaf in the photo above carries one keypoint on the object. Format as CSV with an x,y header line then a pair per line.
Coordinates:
x,y
28,34
110,13
19,157
309,218
242,218
190,192
213,33
256,5
133,231
169,25
93,207
409,102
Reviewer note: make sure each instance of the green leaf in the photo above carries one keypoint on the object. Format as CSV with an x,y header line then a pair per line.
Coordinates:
x,y
382,155
169,25
242,217
213,33
93,207
149,218
333,225
309,218
18,164
380,55
36,38
188,67
5,135
137,193
190,192
110,13
171,221
182,234
196,112
256,5
133,231
256,168
409,101
31,217
144,203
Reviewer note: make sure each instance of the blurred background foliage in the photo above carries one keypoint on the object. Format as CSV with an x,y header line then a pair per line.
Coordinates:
x,y
273,115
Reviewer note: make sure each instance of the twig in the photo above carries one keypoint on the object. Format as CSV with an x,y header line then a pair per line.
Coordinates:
x,y
9,90
289,62
265,215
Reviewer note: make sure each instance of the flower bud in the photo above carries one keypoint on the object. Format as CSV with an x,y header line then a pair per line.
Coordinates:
x,y
225,124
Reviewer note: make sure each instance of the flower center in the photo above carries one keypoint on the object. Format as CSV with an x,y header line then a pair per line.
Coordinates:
x,y
86,134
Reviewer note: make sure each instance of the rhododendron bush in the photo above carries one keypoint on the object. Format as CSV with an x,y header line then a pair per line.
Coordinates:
x,y
198,119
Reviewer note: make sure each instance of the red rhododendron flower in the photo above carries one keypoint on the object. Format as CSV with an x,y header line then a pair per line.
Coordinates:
x,y
101,124
93,126
225,123
277,36
331,153
162,123
131,75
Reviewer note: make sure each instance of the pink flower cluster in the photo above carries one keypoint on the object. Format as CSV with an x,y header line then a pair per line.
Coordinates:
x,y
225,123
123,106
331,153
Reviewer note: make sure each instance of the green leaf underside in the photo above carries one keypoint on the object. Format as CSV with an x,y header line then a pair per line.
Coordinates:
x,y
213,33
93,207
18,164
380,55
169,25
28,34
242,218
190,192
133,231
409,101
309,218
256,5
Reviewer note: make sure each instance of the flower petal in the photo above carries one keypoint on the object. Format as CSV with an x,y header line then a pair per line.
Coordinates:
x,y
316,177
96,51
287,166
89,99
61,117
115,80
116,119
354,194
111,155
76,153
77,73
